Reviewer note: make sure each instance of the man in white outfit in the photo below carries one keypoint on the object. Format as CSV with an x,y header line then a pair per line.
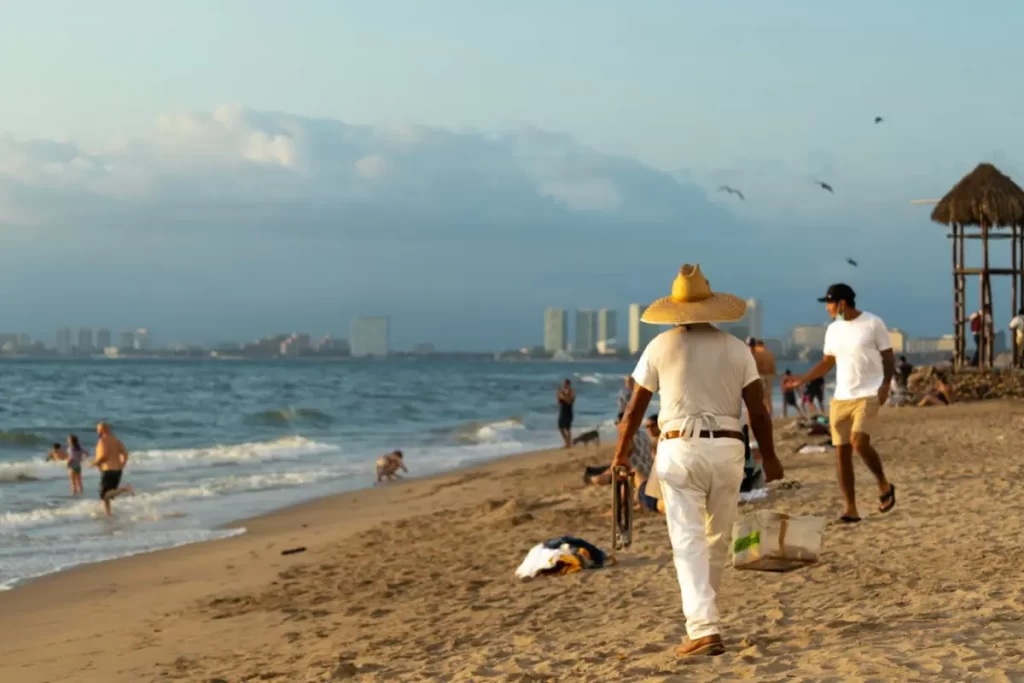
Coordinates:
x,y
703,376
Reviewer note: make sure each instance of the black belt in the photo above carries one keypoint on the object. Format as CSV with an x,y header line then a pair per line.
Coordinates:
x,y
721,434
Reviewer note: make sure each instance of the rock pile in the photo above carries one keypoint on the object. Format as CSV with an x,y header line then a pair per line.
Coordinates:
x,y
968,384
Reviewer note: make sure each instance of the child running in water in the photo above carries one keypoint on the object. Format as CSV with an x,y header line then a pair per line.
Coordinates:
x,y
76,454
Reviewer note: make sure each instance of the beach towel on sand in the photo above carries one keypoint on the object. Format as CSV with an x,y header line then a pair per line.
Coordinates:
x,y
564,555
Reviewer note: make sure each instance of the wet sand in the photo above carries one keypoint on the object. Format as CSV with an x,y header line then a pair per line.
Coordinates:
x,y
414,582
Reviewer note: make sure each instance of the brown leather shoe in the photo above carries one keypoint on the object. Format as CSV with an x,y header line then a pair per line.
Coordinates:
x,y
708,646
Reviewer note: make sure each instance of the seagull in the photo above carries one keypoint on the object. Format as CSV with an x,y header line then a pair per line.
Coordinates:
x,y
851,262
824,186
731,190
879,119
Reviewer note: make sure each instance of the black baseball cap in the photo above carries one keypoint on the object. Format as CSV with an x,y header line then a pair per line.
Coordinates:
x,y
839,292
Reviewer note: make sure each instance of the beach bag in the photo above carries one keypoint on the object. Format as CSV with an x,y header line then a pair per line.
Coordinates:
x,y
774,541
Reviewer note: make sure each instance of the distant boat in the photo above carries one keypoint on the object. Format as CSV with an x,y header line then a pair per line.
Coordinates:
x,y
563,356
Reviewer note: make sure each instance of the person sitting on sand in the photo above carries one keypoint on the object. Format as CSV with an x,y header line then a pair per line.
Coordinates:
x,y
651,503
941,395
388,466
640,460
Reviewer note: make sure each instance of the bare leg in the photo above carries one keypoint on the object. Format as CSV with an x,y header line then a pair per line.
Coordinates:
x,y
844,465
111,495
71,476
78,482
566,437
867,453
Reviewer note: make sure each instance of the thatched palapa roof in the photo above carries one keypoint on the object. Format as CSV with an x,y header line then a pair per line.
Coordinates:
x,y
983,196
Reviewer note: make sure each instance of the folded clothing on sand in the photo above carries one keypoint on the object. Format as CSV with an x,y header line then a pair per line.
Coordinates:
x,y
563,555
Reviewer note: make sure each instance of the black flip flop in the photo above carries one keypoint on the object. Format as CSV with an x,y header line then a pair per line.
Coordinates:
x,y
848,519
888,501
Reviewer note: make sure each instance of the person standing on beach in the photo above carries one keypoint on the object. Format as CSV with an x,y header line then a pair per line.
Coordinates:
x,y
975,320
111,458
903,371
625,394
857,345
789,396
765,361
703,376
566,396
76,454
1017,329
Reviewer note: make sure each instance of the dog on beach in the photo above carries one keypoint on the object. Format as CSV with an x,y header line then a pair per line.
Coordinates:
x,y
591,437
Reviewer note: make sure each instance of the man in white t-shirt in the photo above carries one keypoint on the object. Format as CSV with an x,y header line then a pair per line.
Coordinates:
x,y
1017,326
703,376
857,345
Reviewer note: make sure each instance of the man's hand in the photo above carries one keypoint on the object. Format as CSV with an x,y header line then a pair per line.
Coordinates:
x,y
772,468
883,394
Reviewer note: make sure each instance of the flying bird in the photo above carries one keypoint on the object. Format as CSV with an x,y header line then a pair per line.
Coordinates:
x,y
824,186
851,262
879,119
732,190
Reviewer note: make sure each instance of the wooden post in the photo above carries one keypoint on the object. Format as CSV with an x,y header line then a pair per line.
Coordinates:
x,y
957,332
987,343
1013,291
962,281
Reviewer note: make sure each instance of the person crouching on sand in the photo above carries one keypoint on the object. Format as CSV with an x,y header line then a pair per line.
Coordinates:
x,y
388,466
703,375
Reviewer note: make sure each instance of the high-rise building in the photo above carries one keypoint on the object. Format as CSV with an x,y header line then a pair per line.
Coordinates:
x,y
747,326
102,338
586,331
64,347
127,341
753,318
808,336
640,333
142,339
85,340
371,336
556,330
606,330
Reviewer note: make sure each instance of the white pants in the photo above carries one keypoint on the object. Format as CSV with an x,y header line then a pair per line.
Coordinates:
x,y
700,484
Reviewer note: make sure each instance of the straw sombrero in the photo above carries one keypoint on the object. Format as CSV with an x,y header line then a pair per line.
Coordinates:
x,y
692,301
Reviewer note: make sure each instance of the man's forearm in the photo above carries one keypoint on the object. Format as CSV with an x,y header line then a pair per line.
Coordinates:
x,y
761,425
819,370
631,421
888,366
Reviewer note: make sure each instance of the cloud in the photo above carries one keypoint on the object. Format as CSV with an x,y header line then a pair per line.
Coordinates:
x,y
372,166
234,157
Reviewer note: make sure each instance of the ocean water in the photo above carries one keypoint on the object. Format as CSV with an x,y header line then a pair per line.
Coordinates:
x,y
213,442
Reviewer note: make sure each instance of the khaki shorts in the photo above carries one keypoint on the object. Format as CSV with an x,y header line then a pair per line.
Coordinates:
x,y
854,415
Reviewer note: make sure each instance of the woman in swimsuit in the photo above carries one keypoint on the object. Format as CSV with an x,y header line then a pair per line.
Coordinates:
x,y
566,397
942,395
76,454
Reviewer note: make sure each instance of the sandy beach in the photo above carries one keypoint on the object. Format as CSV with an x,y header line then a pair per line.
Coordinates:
x,y
414,581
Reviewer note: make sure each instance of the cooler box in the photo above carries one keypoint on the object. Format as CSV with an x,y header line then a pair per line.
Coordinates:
x,y
776,542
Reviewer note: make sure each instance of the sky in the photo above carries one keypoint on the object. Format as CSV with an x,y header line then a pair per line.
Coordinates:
x,y
225,170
